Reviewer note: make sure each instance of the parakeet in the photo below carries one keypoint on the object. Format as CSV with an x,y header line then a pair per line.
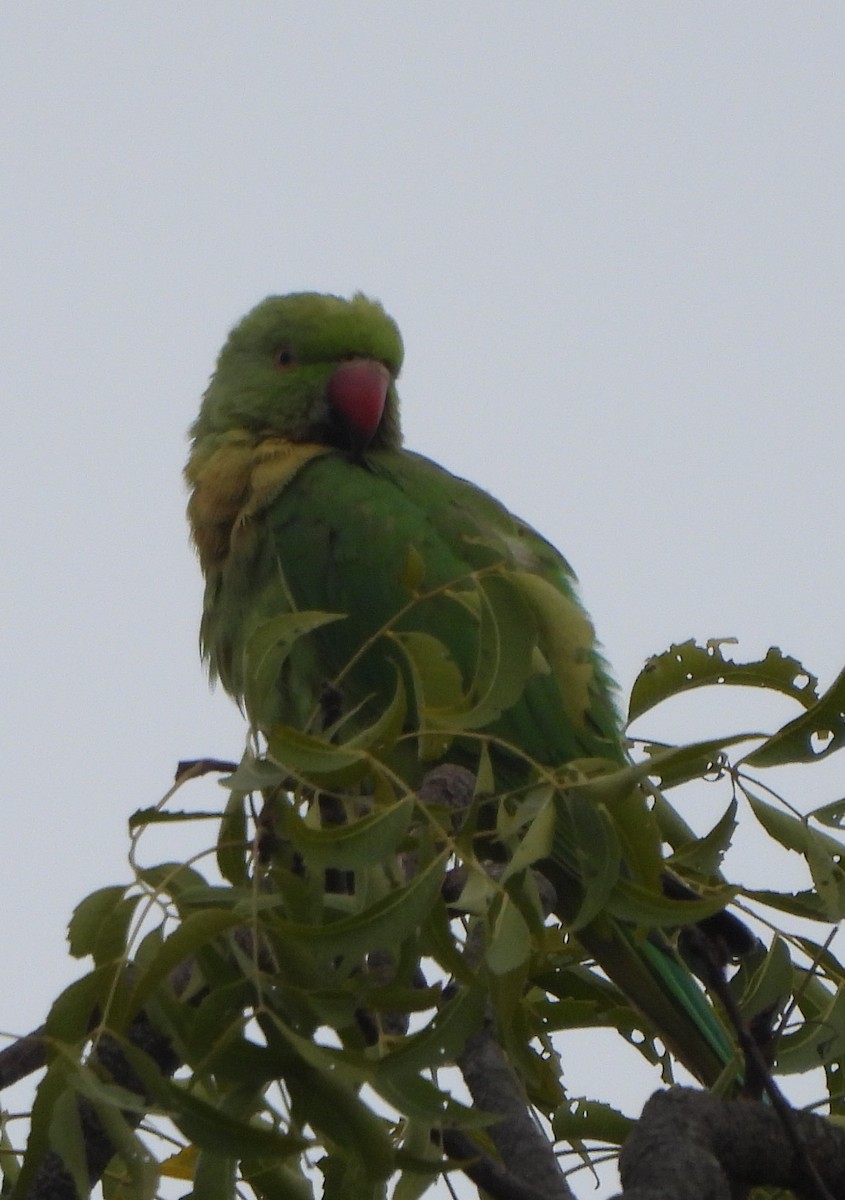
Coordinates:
x,y
304,499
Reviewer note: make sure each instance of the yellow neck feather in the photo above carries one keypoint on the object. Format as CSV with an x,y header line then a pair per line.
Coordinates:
x,y
230,486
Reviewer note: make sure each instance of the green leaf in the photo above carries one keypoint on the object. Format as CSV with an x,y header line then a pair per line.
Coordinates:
x,y
686,665
345,1176
380,737
321,1099
316,760
538,839
823,960
266,651
384,924
140,1171
67,1140
99,1091
160,816
829,879
172,879
671,764
371,839
798,904
566,640
9,1157
651,910
831,815
437,684
675,766
254,774
215,1175
205,1124
704,855
791,832
439,1043
506,640
418,1159
100,923
51,1089
508,938
418,1098
232,842
770,982
821,1039
211,1129
195,931
812,736
437,941
586,842
275,1181
72,1012
638,832
591,1120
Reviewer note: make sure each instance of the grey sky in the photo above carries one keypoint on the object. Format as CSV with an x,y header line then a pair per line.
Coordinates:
x,y
612,235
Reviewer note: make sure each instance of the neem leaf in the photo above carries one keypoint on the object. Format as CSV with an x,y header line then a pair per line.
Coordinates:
x,y
770,982
384,924
686,665
314,759
506,641
586,841
180,1165
829,878
437,684
832,815
274,1180
162,816
791,832
814,735
590,1120
192,933
538,839
705,854
253,774
266,650
211,1129
173,879
675,765
509,938
100,923
322,1098
66,1139
380,737
232,842
51,1089
797,904
440,1042
651,910
69,1019
821,1038
566,639
356,844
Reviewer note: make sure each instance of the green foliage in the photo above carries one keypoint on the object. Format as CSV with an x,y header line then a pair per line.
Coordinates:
x,y
306,926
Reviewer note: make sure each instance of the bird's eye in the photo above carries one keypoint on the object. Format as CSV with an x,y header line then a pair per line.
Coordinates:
x,y
283,358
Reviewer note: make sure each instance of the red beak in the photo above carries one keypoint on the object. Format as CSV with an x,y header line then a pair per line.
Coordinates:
x,y
357,392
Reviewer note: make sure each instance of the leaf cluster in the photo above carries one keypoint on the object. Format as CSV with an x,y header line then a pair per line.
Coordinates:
x,y
318,971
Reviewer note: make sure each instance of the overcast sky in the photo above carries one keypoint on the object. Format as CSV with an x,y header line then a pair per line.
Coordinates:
x,y
612,235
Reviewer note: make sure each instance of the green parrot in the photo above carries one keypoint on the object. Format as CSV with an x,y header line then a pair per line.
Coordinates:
x,y
303,499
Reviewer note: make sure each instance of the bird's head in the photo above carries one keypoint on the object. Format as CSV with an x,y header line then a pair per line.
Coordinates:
x,y
308,368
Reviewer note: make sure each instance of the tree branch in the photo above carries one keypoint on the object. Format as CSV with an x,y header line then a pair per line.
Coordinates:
x,y
690,1145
